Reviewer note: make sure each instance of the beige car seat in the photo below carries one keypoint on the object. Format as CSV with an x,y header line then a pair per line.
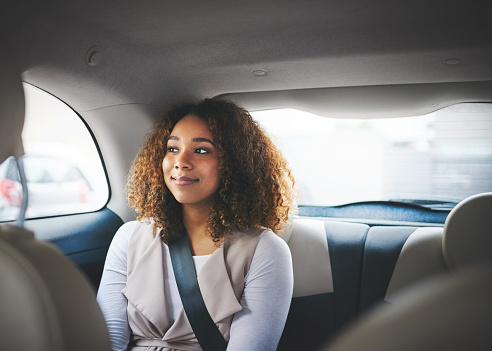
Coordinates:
x,y
46,303
452,312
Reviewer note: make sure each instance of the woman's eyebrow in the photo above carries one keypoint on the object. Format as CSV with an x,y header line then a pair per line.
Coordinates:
x,y
201,140
195,140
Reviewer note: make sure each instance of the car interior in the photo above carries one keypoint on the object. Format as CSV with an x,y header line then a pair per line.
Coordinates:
x,y
387,271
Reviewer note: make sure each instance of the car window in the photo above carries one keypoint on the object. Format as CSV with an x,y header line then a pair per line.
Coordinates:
x,y
63,168
440,158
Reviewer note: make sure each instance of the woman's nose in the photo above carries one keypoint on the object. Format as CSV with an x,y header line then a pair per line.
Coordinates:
x,y
182,162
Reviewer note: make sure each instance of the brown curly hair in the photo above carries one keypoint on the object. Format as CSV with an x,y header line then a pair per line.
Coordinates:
x,y
255,185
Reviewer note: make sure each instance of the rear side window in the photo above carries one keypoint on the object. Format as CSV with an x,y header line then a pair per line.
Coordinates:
x,y
63,168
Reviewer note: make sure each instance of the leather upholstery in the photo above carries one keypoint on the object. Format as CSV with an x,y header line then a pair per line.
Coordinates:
x,y
46,302
467,232
451,311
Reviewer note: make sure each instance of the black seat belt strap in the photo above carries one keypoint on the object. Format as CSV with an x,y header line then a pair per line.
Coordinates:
x,y
206,331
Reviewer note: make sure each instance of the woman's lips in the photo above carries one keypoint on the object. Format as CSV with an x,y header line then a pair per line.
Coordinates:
x,y
183,180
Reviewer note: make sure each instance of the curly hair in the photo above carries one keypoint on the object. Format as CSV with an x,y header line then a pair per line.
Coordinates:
x,y
256,186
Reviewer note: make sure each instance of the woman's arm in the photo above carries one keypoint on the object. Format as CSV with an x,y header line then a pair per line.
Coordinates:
x,y
111,301
266,297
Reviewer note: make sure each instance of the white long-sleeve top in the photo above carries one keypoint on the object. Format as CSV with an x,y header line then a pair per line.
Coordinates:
x,y
265,301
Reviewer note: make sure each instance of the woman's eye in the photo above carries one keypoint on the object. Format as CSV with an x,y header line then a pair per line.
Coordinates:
x,y
172,149
201,151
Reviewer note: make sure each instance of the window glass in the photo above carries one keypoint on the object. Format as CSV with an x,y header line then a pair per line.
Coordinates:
x,y
445,156
62,165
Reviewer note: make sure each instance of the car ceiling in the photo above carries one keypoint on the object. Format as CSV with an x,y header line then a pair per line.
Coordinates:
x,y
353,56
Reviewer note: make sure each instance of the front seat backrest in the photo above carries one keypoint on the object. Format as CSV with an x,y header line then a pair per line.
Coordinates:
x,y
46,304
452,312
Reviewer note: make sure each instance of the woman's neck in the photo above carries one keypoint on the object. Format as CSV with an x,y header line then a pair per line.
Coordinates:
x,y
195,220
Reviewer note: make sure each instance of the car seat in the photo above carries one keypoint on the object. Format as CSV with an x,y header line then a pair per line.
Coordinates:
x,y
467,236
46,304
451,312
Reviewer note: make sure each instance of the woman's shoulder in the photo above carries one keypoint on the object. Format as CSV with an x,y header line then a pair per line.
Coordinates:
x,y
127,230
272,255
262,241
272,243
123,234
261,235
127,227
119,245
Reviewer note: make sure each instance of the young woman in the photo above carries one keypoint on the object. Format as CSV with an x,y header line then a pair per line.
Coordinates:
x,y
207,166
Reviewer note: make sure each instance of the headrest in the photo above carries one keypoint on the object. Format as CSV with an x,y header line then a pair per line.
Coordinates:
x,y
467,236
12,107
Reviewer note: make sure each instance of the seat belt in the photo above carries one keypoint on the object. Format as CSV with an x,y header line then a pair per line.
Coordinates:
x,y
206,331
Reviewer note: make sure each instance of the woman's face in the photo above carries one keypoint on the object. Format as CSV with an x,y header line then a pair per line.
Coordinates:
x,y
191,163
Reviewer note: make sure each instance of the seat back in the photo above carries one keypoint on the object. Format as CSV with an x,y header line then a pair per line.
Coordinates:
x,y
326,257
451,311
46,302
465,240
421,258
